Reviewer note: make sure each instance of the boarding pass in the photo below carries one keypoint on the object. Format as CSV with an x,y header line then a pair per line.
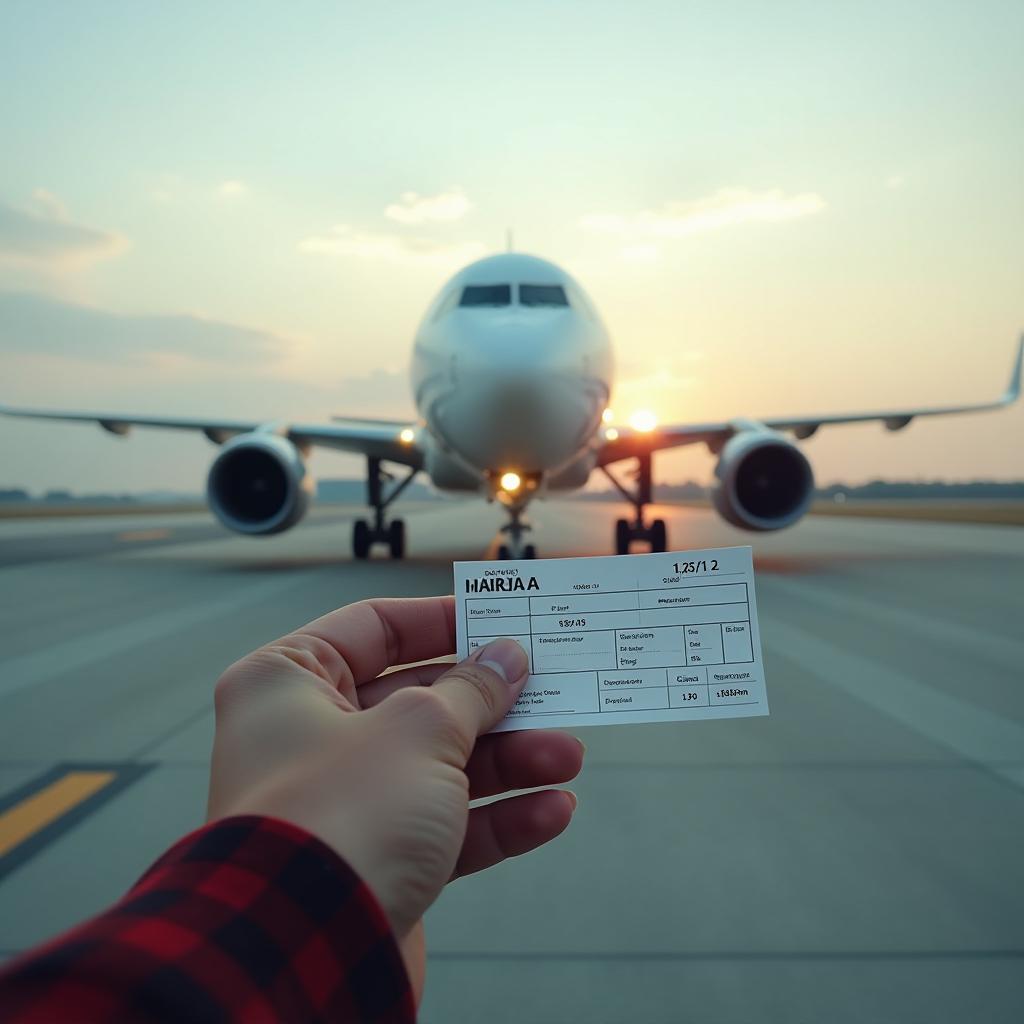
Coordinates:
x,y
667,637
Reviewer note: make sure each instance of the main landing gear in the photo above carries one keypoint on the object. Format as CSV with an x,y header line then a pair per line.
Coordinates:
x,y
516,528
626,532
364,534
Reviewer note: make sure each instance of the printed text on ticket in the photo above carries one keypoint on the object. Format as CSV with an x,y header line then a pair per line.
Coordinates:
x,y
669,637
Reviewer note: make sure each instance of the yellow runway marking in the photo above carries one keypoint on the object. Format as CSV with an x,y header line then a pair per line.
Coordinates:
x,y
140,535
23,820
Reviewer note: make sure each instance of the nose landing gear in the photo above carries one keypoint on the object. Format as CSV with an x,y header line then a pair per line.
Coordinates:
x,y
380,531
516,528
626,532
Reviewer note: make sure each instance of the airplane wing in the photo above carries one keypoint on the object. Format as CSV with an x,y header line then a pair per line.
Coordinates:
x,y
383,440
627,443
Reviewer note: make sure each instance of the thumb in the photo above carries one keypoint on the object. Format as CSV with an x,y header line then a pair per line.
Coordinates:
x,y
478,692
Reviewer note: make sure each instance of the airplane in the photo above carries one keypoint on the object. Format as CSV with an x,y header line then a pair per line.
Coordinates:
x,y
512,376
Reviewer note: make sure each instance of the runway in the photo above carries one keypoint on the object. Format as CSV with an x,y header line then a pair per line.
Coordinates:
x,y
856,856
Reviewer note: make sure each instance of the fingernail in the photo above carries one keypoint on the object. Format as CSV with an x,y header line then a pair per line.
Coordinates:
x,y
583,745
505,657
572,798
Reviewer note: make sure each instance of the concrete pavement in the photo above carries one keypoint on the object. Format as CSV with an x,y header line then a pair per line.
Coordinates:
x,y
853,857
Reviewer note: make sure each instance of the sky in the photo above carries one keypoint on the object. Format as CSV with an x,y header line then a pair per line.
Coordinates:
x,y
243,209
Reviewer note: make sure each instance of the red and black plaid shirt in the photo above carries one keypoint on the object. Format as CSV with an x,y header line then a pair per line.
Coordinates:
x,y
248,919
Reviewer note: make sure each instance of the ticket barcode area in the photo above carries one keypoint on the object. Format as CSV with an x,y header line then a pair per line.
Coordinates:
x,y
662,637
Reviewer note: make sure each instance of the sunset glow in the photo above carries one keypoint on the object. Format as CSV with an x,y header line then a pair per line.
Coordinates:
x,y
222,255
643,421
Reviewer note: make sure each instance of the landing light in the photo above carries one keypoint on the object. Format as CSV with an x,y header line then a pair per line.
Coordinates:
x,y
643,421
611,434
407,435
607,416
510,482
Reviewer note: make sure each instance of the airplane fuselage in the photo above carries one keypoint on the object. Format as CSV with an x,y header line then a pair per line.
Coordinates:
x,y
511,371
511,375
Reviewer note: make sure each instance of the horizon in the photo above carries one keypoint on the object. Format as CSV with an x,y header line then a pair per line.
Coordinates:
x,y
70,494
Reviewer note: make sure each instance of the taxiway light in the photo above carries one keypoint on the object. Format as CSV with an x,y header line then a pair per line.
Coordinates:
x,y
643,421
407,436
510,482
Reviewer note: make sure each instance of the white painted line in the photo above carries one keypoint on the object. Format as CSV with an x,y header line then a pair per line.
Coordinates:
x,y
69,655
972,642
970,731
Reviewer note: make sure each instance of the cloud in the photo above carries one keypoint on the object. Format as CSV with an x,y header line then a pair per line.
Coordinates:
x,y
344,240
232,189
45,204
727,207
895,181
412,208
42,235
37,324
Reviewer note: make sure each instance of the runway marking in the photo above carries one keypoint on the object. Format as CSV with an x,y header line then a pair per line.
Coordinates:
x,y
135,536
47,805
58,658
35,814
969,640
970,731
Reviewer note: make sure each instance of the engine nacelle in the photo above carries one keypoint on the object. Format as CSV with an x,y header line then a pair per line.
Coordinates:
x,y
259,484
766,481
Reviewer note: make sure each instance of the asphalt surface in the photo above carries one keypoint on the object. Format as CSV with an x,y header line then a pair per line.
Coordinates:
x,y
856,856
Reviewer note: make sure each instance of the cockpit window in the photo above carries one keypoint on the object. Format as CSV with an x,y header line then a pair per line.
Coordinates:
x,y
542,295
486,295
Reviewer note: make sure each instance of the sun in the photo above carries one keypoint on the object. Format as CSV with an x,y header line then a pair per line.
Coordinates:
x,y
643,421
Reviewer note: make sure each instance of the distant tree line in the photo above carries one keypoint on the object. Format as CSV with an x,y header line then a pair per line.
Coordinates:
x,y
354,492
62,496
918,489
875,490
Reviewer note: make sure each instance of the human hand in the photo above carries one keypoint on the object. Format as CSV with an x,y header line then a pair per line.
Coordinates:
x,y
382,765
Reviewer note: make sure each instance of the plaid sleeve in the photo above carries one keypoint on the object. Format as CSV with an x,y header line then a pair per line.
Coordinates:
x,y
248,919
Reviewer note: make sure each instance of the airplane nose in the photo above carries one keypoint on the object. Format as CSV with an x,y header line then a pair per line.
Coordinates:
x,y
529,421
520,395
517,349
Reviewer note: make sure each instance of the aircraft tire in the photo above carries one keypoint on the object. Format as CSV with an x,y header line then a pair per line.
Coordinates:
x,y
360,538
503,552
622,533
396,538
659,535
529,551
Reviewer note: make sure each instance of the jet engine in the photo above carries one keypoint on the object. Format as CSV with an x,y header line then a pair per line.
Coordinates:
x,y
766,482
259,484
